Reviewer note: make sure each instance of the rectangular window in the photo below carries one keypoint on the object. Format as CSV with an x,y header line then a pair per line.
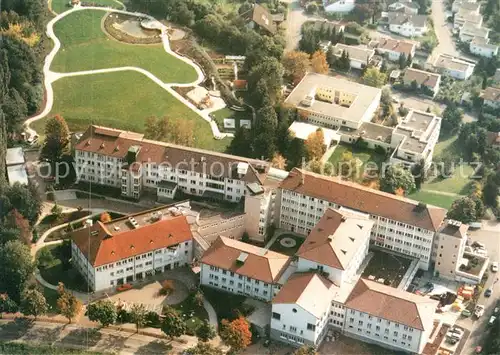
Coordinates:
x,y
276,316
311,327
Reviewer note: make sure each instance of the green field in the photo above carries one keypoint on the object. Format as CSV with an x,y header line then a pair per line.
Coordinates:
x,y
109,100
226,112
447,146
85,47
59,6
457,183
433,198
364,155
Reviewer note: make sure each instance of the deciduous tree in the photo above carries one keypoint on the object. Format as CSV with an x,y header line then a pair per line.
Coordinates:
x,y
305,350
138,315
296,64
206,331
204,349
452,119
7,305
319,63
278,161
68,305
173,325
315,144
348,166
373,77
103,311
17,267
397,178
16,221
236,334
105,217
463,210
33,303
56,138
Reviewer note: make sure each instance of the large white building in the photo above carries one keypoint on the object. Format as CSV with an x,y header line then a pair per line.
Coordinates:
x,y
131,248
128,161
407,25
400,224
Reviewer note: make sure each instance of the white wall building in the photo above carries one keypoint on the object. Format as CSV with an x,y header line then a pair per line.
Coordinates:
x,y
394,319
244,269
454,67
481,47
491,97
131,248
359,56
339,5
400,224
126,160
407,25
469,31
393,49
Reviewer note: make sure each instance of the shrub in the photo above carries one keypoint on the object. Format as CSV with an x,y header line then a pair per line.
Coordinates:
x,y
35,236
380,150
153,319
124,287
167,287
123,316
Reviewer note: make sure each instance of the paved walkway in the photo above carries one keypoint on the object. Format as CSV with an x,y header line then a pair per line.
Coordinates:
x,y
444,193
50,77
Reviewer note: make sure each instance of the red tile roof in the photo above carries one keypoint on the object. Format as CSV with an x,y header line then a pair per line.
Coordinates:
x,y
361,198
101,247
260,264
391,304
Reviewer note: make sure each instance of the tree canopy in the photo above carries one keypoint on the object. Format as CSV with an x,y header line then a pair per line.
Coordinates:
x,y
397,179
373,77
102,311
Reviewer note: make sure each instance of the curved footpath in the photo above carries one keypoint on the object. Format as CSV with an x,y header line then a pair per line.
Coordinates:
x,y
50,76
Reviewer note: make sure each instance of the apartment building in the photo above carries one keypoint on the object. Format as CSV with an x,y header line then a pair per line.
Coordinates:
x,y
465,15
400,224
131,248
331,102
243,269
456,68
415,138
128,161
388,317
469,31
449,247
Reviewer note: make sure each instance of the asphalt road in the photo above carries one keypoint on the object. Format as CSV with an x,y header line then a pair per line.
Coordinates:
x,y
490,236
74,336
294,21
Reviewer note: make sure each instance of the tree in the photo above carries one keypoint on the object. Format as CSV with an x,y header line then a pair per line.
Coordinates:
x,y
16,221
236,334
315,144
204,349
103,311
319,63
490,189
305,350
68,305
296,155
311,8
173,325
397,178
409,60
402,61
7,305
23,198
373,77
56,139
295,64
17,267
418,172
414,86
241,145
463,210
331,58
206,331
138,315
105,217
348,166
56,211
33,303
452,119
44,258
344,62
278,162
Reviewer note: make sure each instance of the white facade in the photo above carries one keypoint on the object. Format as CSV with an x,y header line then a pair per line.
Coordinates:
x,y
408,29
300,213
232,282
133,268
384,332
339,5
483,49
259,213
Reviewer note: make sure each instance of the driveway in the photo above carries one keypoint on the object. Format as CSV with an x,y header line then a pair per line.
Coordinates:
x,y
490,236
295,19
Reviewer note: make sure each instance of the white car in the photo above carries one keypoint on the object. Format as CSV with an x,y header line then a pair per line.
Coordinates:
x,y
479,311
494,266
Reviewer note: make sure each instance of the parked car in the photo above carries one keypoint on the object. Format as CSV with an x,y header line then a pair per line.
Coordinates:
x,y
457,331
478,245
488,292
466,313
494,266
475,225
479,311
492,320
496,310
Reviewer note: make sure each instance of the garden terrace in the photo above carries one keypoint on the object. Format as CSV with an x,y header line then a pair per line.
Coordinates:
x,y
387,266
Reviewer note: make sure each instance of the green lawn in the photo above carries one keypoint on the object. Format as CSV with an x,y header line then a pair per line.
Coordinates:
x,y
193,322
12,348
226,112
447,146
85,47
51,296
279,248
433,198
457,183
59,6
55,272
364,155
108,100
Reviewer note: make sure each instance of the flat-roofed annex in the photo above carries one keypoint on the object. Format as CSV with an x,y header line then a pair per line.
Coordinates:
x,y
305,93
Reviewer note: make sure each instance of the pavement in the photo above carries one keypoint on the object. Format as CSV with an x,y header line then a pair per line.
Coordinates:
x,y
50,76
489,234
296,17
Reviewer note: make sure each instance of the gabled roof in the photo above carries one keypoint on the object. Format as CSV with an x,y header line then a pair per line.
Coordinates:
x,y
309,291
246,259
421,77
335,239
101,246
363,199
400,18
394,45
355,52
392,304
261,17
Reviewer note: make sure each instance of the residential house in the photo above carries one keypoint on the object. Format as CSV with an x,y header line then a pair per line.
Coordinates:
x,y
407,25
481,47
243,269
472,7
260,18
423,79
389,317
359,56
408,7
469,31
395,48
400,224
342,6
456,68
491,97
457,4
464,15
133,164
131,248
493,139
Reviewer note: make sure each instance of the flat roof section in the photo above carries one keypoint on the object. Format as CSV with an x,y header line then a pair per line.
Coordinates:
x,y
365,96
17,173
14,156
